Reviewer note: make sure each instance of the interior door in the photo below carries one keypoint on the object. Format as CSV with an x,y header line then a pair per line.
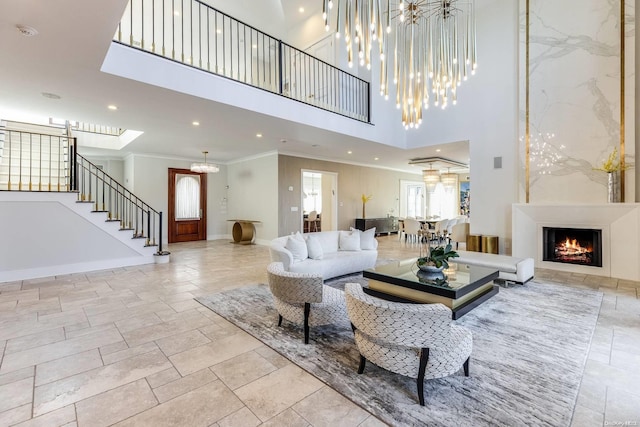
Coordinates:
x,y
187,206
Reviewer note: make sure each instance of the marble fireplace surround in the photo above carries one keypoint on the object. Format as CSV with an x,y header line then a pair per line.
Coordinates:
x,y
619,222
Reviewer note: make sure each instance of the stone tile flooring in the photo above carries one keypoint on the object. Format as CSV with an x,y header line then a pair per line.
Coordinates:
x,y
131,347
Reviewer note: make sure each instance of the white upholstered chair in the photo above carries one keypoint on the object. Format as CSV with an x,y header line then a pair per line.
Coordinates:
x,y
441,229
301,298
413,229
415,340
459,233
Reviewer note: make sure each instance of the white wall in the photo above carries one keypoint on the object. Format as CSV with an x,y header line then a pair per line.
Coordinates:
x,y
151,177
487,115
253,194
48,233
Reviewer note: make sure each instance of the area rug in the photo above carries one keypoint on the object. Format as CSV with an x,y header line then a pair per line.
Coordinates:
x,y
530,345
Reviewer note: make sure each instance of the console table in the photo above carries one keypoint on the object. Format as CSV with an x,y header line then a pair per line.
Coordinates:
x,y
383,225
244,231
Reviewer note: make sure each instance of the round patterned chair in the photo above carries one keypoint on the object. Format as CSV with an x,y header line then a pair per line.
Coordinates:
x,y
302,298
415,340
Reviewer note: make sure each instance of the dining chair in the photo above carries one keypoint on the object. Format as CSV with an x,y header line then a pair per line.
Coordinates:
x,y
312,219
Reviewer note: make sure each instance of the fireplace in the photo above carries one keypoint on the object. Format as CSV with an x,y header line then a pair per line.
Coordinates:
x,y
582,246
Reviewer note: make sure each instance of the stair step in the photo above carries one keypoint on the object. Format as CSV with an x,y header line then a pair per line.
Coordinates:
x,y
127,229
112,220
139,237
148,246
85,201
99,211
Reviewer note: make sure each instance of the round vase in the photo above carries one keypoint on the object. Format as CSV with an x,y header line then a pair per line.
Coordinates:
x,y
430,272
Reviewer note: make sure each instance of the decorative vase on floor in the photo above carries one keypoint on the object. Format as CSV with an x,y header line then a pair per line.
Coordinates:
x,y
613,187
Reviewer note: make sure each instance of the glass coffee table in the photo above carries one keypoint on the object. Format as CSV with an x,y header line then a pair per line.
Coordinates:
x,y
465,286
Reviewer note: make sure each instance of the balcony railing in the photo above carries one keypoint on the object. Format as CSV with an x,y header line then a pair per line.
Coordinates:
x,y
200,36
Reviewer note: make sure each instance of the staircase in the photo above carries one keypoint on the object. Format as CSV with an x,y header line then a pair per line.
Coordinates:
x,y
54,201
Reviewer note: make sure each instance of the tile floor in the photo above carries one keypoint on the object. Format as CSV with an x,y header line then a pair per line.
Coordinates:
x,y
131,347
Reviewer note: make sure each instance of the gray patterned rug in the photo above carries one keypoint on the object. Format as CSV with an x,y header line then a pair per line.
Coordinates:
x,y
530,345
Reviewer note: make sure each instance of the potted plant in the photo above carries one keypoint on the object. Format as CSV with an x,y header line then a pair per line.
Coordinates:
x,y
436,259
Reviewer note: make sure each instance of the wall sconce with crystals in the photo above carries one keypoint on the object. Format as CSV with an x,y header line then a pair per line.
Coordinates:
x,y
431,45
204,167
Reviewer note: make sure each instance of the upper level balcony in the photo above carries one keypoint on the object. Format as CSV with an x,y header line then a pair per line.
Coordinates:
x,y
195,34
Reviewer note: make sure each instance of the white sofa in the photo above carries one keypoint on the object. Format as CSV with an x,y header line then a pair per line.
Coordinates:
x,y
512,269
334,262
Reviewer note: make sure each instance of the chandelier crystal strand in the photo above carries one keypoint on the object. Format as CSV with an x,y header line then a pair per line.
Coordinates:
x,y
429,38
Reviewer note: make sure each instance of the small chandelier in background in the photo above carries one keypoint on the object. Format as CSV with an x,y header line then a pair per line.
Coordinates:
x,y
204,167
449,181
431,178
431,45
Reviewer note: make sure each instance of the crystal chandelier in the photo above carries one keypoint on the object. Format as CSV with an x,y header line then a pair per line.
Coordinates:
x,y
431,178
204,167
449,181
431,45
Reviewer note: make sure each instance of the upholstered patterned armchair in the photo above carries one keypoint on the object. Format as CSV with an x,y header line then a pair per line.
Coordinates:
x,y
415,340
301,298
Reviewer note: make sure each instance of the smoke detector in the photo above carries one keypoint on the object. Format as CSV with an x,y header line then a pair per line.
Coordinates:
x,y
27,31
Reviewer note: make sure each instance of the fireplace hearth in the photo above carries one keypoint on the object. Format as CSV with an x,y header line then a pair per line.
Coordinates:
x,y
582,246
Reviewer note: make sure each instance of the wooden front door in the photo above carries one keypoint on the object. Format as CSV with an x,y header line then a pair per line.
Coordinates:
x,y
187,206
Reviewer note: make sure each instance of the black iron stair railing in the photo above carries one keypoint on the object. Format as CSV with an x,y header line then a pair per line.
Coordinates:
x,y
50,163
194,33
109,196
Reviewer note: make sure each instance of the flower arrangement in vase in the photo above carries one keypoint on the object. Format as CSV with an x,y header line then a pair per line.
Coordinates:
x,y
612,166
365,199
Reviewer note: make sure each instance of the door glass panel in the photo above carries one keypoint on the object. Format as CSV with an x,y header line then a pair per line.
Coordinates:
x,y
312,192
187,197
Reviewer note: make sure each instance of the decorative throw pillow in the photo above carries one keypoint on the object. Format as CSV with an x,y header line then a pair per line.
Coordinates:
x,y
314,248
349,241
297,246
367,238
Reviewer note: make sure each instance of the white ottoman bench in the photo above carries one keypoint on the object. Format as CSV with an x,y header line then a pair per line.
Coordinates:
x,y
512,269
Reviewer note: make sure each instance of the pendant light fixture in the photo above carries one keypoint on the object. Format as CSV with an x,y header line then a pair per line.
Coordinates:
x,y
429,45
204,167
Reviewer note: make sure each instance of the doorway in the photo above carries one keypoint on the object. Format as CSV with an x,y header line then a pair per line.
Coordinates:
x,y
187,208
319,195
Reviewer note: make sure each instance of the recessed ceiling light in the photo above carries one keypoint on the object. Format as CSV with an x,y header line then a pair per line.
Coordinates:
x,y
195,123
27,31
176,12
376,158
112,107
219,31
349,152
438,150
284,141
51,95
258,135
255,46
301,10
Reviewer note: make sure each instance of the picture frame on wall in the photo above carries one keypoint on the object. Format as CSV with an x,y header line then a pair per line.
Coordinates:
x,y
465,198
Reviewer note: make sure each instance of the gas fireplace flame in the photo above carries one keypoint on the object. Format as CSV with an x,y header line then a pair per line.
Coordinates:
x,y
572,246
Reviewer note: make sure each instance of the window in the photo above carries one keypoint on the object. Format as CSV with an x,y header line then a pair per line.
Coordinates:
x,y
312,188
187,197
443,203
415,201
412,199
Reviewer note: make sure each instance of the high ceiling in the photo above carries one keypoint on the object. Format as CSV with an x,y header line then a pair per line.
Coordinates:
x,y
65,57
